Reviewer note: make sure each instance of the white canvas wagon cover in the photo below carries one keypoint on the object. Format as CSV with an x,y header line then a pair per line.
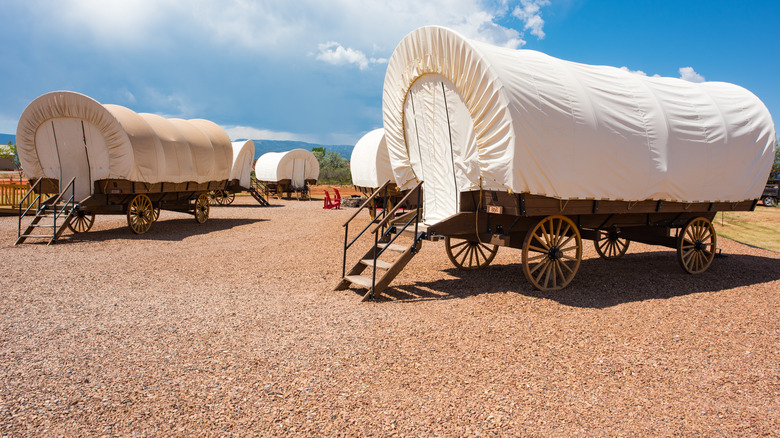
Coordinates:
x,y
297,165
64,134
370,162
463,115
243,156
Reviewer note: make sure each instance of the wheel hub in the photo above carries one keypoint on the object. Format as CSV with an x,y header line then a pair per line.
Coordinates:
x,y
555,253
697,246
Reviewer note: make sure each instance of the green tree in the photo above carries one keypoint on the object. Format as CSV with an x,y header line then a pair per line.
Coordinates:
x,y
776,166
334,169
9,151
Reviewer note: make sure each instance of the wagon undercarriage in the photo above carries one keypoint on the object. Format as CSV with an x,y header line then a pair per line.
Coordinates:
x,y
550,233
139,202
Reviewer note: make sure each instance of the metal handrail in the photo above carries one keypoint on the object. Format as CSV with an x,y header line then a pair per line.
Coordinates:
x,y
70,200
365,203
387,218
383,229
24,198
346,226
414,218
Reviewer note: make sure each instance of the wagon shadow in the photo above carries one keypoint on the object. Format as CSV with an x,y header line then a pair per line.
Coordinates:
x,y
165,230
599,283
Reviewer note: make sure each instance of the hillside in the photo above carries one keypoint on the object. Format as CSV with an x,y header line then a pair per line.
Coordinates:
x,y
263,146
5,138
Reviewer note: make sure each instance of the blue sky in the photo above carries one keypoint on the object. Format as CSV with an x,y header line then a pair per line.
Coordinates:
x,y
313,70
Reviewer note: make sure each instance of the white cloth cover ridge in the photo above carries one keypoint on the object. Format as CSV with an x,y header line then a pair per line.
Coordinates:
x,y
119,143
297,165
243,156
463,115
370,162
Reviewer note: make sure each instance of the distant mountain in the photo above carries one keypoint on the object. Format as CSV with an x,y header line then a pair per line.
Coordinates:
x,y
5,138
263,146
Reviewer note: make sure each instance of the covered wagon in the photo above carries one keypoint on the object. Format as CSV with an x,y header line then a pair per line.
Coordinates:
x,y
517,148
371,171
287,172
107,159
240,176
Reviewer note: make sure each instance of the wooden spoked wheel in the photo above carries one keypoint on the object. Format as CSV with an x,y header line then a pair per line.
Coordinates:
x,y
82,221
468,255
696,245
140,214
228,197
610,245
155,214
215,197
552,252
202,208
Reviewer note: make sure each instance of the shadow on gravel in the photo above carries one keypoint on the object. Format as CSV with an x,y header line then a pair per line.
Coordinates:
x,y
601,283
164,230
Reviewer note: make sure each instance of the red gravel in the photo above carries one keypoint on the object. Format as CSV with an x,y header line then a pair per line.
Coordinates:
x,y
231,328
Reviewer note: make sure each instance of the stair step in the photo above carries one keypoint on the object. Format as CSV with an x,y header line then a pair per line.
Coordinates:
x,y
381,264
37,236
394,247
359,280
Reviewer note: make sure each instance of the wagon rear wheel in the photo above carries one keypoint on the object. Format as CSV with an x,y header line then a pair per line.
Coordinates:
x,y
468,255
140,214
696,245
552,252
155,214
202,208
82,221
610,245
228,198
215,197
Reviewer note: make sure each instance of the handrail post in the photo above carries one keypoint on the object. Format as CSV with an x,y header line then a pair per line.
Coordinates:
x,y
344,259
417,215
373,272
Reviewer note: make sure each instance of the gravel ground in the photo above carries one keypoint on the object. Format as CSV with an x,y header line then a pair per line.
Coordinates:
x,y
231,328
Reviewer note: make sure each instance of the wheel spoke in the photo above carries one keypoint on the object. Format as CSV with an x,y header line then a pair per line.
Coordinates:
x,y
544,244
461,252
458,245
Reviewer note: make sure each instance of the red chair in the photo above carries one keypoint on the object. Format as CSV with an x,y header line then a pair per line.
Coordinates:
x,y
337,199
328,203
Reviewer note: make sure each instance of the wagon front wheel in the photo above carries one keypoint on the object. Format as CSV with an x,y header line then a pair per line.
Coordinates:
x,y
468,255
610,245
82,221
140,214
696,245
552,252
202,208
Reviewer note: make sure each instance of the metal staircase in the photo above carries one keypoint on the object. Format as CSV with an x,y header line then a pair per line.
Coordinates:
x,y
388,228
256,190
52,215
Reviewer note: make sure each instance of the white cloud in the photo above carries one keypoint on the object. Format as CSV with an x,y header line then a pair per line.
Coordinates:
x,y
248,132
334,53
638,72
688,74
371,27
529,12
